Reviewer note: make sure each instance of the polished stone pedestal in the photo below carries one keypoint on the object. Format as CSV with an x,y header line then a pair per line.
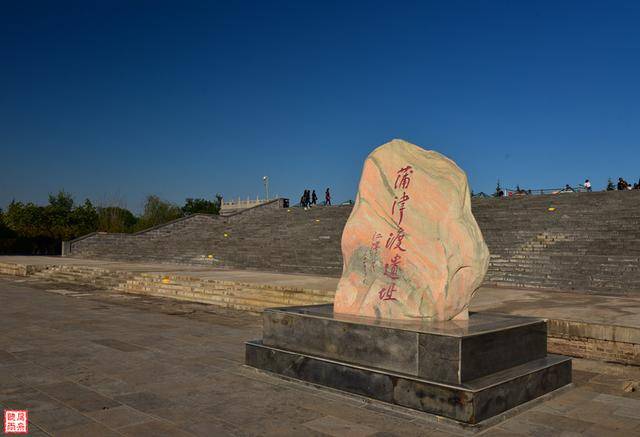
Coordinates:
x,y
464,370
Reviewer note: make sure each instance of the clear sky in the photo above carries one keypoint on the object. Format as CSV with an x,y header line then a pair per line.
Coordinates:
x,y
114,100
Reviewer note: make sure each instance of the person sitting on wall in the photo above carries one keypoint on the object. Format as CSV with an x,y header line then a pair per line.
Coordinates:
x,y
567,189
520,191
623,185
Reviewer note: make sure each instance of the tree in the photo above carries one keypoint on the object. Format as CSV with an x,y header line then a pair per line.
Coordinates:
x,y
57,216
157,212
83,219
499,192
25,219
610,186
115,219
63,221
204,206
5,231
40,229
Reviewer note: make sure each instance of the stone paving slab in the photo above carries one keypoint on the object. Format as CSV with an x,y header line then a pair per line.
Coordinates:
x,y
186,377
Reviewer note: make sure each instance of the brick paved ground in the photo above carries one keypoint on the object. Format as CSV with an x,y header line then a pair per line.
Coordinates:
x,y
89,362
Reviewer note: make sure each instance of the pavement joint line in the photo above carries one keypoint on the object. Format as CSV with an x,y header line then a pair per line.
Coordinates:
x,y
73,408
67,379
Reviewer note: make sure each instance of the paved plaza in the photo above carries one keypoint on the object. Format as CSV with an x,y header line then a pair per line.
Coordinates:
x,y
576,306
88,362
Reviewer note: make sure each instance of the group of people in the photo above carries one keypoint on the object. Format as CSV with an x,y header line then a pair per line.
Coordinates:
x,y
586,186
621,186
624,185
310,198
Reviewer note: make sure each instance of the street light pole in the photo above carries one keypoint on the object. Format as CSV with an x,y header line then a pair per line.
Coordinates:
x,y
265,179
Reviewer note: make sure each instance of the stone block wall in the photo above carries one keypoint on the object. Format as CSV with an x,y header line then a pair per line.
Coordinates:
x,y
588,242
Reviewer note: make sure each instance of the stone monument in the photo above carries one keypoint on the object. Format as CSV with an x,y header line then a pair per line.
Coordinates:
x,y
399,330
411,247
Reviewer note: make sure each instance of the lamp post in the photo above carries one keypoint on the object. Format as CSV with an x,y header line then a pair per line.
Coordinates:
x,y
265,180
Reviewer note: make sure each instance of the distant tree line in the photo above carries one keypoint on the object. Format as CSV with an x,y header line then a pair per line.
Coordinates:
x,y
26,228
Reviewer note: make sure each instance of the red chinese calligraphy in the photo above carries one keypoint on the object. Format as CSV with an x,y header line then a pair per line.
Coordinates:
x,y
403,178
375,241
16,422
368,259
400,203
395,240
387,292
391,269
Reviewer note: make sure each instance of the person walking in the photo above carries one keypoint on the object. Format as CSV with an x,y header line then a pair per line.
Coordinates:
x,y
307,199
314,198
327,198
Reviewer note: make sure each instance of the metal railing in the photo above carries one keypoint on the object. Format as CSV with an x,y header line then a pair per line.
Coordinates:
x,y
542,191
243,204
511,192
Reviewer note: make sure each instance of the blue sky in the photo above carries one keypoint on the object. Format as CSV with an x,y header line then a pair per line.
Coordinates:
x,y
114,100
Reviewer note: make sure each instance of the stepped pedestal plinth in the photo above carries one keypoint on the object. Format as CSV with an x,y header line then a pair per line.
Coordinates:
x,y
468,371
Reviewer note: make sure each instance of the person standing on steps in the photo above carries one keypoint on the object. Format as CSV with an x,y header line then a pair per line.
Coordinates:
x,y
587,185
327,198
314,198
307,199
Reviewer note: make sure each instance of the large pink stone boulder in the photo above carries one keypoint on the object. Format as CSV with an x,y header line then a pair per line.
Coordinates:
x,y
412,248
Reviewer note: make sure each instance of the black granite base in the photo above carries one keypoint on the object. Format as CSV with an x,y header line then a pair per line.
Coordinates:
x,y
464,370
451,351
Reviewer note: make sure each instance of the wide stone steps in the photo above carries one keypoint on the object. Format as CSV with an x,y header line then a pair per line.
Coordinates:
x,y
227,289
97,277
594,237
13,269
224,287
228,294
239,298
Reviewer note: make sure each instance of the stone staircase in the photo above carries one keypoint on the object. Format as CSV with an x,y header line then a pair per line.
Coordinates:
x,y
234,295
227,294
575,242
587,242
284,240
77,274
17,269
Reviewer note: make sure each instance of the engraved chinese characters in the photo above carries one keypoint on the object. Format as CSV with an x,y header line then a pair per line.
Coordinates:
x,y
411,247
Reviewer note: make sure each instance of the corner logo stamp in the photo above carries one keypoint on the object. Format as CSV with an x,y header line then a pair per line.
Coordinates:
x,y
16,422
